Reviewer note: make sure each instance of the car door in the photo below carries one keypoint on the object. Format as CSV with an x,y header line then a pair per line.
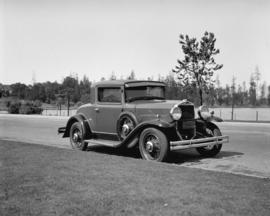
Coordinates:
x,y
108,109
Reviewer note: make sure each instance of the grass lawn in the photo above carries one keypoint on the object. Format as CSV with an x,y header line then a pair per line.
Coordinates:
x,y
42,180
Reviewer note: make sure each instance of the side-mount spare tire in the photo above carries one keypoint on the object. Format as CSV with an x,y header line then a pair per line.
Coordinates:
x,y
153,145
125,124
76,137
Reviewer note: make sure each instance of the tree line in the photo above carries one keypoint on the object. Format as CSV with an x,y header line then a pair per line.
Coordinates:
x,y
254,93
50,92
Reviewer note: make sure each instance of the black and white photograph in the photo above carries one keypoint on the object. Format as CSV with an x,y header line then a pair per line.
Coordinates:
x,y
134,107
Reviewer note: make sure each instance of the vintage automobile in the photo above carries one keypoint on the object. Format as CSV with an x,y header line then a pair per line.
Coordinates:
x,y
131,113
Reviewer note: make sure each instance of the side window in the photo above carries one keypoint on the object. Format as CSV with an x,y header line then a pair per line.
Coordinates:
x,y
109,95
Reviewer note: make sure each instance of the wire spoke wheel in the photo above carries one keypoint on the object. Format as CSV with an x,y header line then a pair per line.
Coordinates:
x,y
211,134
153,145
76,137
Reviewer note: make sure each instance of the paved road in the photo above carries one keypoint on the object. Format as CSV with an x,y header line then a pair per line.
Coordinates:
x,y
248,152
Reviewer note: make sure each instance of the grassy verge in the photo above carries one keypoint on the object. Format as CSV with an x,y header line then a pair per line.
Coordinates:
x,y
247,121
41,180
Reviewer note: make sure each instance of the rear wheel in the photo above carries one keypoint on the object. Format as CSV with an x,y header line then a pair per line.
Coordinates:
x,y
211,150
153,145
76,137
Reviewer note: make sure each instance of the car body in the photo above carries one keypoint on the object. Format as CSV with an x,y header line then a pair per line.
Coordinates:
x,y
129,113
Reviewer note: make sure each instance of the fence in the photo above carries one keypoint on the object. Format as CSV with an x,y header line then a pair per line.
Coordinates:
x,y
242,114
57,112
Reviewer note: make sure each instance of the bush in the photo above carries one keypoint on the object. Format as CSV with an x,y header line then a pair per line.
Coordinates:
x,y
14,107
25,107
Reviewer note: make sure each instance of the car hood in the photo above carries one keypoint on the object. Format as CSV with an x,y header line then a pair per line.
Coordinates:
x,y
154,109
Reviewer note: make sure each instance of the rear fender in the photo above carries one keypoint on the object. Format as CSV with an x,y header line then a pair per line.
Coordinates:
x,y
83,121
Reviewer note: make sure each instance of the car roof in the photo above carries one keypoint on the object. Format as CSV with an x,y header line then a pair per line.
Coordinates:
x,y
127,83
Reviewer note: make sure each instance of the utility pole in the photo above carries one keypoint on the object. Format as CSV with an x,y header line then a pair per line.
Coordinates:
x,y
233,90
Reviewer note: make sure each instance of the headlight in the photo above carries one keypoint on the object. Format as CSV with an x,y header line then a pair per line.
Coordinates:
x,y
204,112
176,112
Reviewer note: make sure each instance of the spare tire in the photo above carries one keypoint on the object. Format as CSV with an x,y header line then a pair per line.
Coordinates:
x,y
125,124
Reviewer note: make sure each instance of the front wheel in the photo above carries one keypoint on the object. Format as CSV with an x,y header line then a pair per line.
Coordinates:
x,y
211,150
76,137
153,145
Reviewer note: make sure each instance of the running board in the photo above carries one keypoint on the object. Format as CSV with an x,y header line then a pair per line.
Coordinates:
x,y
109,143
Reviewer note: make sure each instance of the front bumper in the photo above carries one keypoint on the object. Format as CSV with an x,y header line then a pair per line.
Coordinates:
x,y
195,143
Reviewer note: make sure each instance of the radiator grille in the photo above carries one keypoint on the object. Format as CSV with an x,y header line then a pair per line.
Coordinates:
x,y
186,125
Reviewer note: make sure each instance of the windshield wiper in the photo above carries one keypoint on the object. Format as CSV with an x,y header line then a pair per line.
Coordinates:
x,y
145,98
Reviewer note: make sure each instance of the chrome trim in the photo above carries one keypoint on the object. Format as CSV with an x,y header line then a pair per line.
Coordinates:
x,y
175,106
194,143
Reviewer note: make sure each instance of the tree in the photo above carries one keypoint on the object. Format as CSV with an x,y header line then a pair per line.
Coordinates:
x,y
257,77
85,89
245,94
233,94
19,90
268,96
239,96
131,75
198,65
219,92
38,92
113,76
227,95
70,87
263,93
252,90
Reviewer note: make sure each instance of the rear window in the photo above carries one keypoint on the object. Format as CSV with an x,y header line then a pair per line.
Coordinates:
x,y
109,95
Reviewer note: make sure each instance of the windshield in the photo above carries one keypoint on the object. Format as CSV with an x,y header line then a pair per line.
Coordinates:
x,y
144,93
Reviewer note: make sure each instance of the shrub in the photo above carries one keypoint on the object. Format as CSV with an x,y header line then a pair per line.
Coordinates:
x,y
25,107
14,107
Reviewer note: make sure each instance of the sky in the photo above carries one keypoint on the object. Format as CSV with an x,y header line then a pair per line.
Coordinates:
x,y
46,40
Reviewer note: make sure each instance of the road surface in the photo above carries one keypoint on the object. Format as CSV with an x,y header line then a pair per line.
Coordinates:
x,y
248,152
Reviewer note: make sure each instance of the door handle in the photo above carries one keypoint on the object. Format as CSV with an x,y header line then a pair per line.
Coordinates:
x,y
97,109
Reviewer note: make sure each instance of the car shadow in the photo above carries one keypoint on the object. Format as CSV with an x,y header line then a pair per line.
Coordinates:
x,y
177,157
132,153
193,156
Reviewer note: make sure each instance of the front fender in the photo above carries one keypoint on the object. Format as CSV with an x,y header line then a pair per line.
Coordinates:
x,y
159,124
201,125
211,118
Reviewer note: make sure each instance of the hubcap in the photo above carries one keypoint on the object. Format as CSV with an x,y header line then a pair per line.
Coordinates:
x,y
75,137
127,126
125,129
209,147
149,146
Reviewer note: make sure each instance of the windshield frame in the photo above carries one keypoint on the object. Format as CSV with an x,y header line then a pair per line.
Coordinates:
x,y
144,97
